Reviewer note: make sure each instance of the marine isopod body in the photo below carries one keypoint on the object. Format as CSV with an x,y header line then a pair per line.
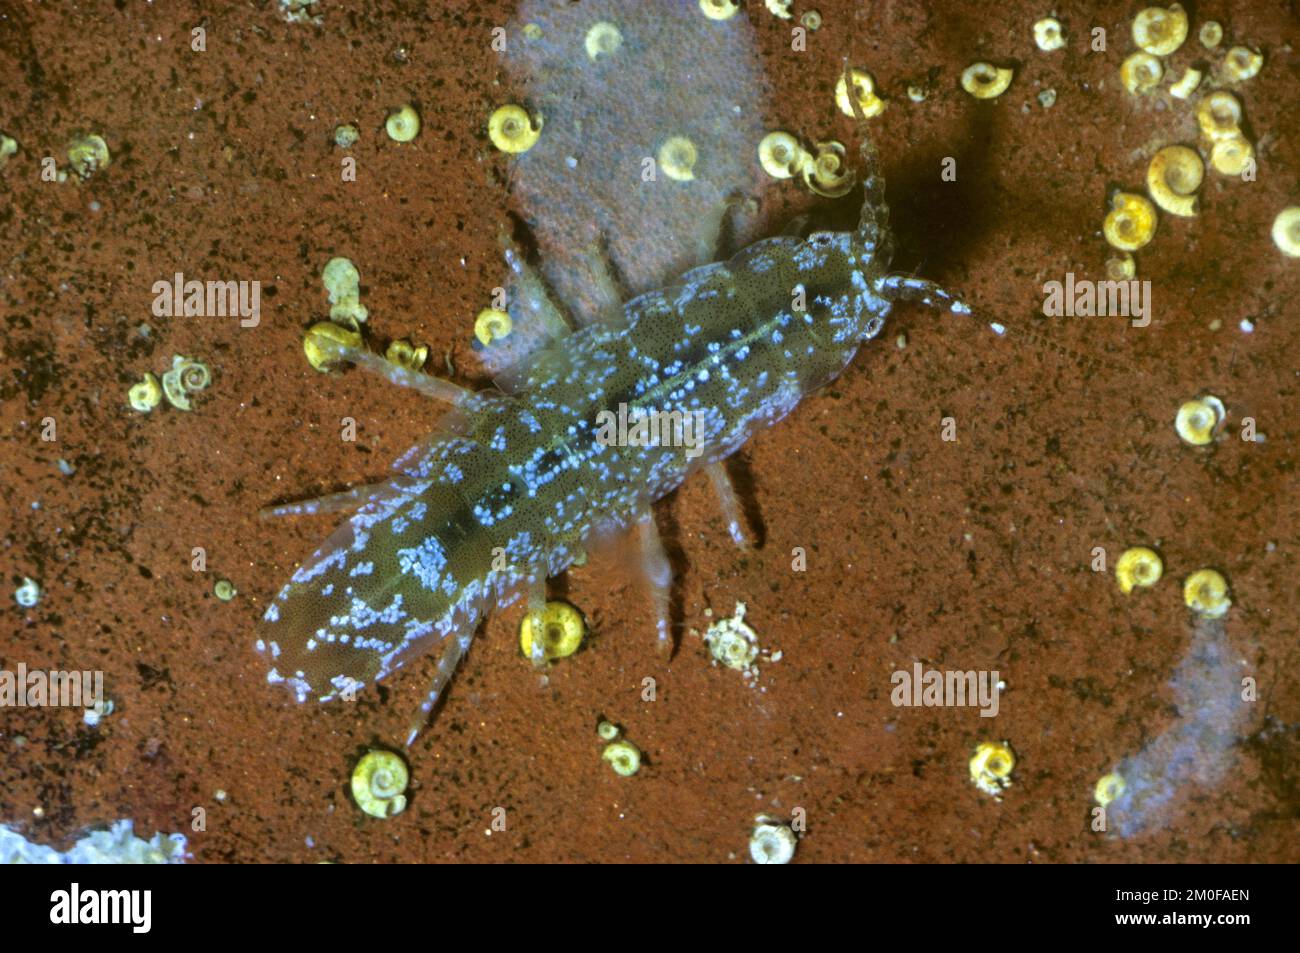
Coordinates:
x,y
518,481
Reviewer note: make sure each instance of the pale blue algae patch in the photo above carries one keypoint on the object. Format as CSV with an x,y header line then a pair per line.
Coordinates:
x,y
1197,749
117,845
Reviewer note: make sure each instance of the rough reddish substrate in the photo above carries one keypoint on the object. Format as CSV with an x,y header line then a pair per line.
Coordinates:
x,y
1065,444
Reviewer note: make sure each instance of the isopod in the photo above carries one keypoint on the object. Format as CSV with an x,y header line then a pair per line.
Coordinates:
x,y
519,479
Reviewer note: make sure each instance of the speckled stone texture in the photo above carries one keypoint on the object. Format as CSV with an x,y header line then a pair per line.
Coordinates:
x,y
973,554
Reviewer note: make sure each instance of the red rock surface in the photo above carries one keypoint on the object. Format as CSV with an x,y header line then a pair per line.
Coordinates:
x,y
965,555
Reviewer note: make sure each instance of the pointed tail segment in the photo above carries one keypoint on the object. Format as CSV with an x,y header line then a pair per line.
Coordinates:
x,y
435,387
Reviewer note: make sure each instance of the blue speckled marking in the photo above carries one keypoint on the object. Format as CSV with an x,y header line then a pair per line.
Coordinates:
x,y
517,484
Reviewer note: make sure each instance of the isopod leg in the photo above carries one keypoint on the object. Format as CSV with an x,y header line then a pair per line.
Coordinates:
x,y
795,227
333,502
536,321
530,293
729,502
875,210
536,603
659,576
603,301
456,648
426,384
906,288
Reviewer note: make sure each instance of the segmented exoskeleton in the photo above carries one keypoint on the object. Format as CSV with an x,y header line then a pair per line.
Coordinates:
x,y
517,481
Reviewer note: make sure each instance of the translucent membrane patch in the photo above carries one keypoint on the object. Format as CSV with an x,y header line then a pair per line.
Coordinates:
x,y
1196,750
604,188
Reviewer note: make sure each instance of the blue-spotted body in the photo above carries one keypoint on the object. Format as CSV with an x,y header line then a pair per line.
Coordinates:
x,y
518,481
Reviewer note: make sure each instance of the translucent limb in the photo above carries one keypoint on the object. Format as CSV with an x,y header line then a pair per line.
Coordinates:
x,y
603,301
536,321
875,210
341,502
530,294
873,227
906,288
729,502
795,227
536,603
434,387
659,576
455,650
